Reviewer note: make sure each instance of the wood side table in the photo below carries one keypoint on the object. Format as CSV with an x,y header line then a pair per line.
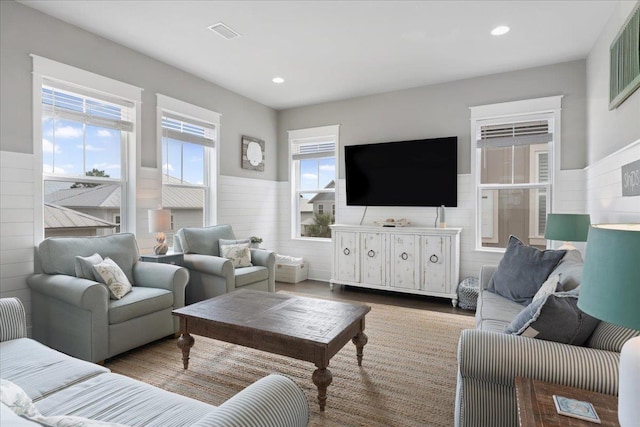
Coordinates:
x,y
536,407
175,258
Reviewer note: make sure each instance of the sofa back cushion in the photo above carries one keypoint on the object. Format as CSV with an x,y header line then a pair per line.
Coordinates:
x,y
58,254
204,240
570,270
610,337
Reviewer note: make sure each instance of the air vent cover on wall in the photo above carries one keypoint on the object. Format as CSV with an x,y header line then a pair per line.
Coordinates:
x,y
224,31
625,61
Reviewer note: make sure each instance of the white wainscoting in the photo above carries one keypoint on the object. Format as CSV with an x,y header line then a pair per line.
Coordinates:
x,y
16,226
604,188
250,206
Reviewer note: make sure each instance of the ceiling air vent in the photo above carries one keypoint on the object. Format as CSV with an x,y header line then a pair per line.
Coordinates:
x,y
224,31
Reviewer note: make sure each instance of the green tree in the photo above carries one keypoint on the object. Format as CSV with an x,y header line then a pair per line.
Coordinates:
x,y
92,172
321,226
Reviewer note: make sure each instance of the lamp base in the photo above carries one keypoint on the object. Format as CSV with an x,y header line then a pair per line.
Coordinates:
x,y
628,408
160,247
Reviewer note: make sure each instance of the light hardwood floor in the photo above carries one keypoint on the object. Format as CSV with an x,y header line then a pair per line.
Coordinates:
x,y
316,288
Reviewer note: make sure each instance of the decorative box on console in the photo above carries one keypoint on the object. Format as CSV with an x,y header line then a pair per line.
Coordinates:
x,y
291,269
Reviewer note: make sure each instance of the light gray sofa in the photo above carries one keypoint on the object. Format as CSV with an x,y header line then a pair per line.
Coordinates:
x,y
489,360
76,315
211,275
60,385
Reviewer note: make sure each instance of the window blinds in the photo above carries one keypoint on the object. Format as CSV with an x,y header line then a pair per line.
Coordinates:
x,y
63,101
313,148
188,130
510,134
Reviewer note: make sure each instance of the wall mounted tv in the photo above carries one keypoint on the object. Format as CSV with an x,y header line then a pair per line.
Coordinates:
x,y
422,172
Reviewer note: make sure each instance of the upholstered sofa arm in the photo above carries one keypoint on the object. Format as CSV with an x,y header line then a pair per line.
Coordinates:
x,y
13,321
78,292
164,276
266,259
273,401
486,273
497,358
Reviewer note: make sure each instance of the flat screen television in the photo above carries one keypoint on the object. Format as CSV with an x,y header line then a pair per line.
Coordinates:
x,y
422,172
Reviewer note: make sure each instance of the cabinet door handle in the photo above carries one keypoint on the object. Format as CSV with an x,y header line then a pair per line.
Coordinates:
x,y
404,256
433,258
346,251
371,253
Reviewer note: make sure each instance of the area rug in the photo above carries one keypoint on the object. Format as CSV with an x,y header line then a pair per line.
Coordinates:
x,y
407,378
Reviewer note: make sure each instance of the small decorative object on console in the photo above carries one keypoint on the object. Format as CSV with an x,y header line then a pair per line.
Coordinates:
x,y
255,241
576,408
390,222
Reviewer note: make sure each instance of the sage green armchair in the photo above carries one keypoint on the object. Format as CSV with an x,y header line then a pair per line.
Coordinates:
x,y
211,275
76,315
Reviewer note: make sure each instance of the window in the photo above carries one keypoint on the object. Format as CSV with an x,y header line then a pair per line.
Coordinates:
x,y
84,128
313,181
187,144
514,155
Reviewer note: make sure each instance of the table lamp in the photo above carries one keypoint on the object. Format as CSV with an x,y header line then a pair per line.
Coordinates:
x,y
159,222
567,228
610,291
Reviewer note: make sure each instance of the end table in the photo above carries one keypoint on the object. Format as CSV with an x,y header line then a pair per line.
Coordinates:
x,y
536,407
175,258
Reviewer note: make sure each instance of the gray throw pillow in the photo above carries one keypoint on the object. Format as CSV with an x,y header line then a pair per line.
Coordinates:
x,y
556,317
522,270
84,266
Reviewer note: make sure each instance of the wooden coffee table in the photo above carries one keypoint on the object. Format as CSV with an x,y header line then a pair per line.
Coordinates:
x,y
307,329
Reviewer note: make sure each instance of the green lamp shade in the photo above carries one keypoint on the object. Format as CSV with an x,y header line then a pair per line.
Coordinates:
x,y
567,227
610,286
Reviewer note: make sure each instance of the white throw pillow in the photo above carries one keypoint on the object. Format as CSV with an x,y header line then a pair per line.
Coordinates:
x,y
550,286
240,254
110,274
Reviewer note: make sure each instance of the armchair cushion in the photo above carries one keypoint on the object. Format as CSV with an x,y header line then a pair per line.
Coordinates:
x,y
139,302
248,275
110,274
57,254
204,240
239,254
522,271
84,266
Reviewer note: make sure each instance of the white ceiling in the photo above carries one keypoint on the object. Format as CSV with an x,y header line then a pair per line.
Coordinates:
x,y
329,50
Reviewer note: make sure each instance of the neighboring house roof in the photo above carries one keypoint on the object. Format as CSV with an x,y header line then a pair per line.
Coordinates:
x,y
61,217
100,196
325,197
308,221
108,196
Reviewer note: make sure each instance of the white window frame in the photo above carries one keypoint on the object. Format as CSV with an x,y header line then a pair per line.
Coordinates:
x,y
47,69
189,111
298,136
528,109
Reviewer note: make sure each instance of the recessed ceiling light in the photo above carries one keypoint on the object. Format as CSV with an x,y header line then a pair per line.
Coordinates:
x,y
277,80
500,30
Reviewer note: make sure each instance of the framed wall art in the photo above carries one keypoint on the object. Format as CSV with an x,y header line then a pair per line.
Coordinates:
x,y
252,153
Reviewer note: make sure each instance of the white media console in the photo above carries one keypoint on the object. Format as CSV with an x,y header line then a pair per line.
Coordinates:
x,y
416,260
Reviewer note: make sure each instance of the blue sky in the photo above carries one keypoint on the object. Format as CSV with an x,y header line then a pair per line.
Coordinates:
x,y
62,151
316,173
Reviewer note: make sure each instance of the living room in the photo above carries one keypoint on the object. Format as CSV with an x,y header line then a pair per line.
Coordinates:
x,y
595,141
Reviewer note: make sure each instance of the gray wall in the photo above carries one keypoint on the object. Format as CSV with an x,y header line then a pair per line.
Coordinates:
x,y
443,110
609,131
25,31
